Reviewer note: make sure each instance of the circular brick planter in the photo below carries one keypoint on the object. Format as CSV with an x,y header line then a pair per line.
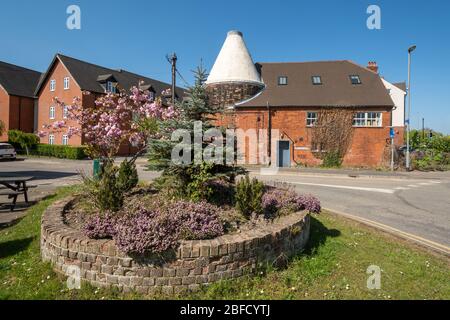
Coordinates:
x,y
194,263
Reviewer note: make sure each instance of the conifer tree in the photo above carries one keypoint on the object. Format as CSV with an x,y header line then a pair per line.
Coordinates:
x,y
184,179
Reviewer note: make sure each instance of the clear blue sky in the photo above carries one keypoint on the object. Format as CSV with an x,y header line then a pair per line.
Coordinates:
x,y
136,35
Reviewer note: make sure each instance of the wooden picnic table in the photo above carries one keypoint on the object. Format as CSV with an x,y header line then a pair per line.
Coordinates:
x,y
17,185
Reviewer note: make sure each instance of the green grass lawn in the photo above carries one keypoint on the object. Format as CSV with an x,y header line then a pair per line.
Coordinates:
x,y
333,267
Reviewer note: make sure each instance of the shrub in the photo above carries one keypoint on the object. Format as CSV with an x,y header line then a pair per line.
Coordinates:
x,y
158,228
61,151
25,140
100,226
248,196
146,231
223,193
332,160
127,178
430,160
279,201
310,203
199,188
108,194
197,220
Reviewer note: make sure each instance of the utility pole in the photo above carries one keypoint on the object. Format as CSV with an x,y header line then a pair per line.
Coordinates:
x,y
408,121
173,61
423,128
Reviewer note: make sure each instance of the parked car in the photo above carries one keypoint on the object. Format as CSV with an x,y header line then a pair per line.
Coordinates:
x,y
7,151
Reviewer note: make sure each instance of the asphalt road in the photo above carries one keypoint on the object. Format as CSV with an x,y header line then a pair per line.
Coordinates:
x,y
418,204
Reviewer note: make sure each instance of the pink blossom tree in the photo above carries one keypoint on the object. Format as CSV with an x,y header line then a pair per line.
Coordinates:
x,y
116,118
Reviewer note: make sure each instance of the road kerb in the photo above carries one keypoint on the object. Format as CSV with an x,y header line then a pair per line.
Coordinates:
x,y
425,243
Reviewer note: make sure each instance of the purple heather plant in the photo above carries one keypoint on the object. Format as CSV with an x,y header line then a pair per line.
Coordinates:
x,y
276,200
144,231
100,226
157,230
197,220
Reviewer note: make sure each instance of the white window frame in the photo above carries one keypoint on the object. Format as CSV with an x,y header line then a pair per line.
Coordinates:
x,y
310,120
65,140
52,112
110,87
282,83
65,112
355,77
52,85
316,83
369,119
66,83
51,139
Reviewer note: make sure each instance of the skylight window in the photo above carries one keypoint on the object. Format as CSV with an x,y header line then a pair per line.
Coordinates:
x,y
355,79
282,80
316,80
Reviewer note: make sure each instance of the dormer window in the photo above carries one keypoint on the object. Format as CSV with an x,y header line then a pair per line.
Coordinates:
x,y
110,87
282,80
316,80
355,79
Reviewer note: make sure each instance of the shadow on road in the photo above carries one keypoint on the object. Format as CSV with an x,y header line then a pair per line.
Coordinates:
x,y
13,247
38,174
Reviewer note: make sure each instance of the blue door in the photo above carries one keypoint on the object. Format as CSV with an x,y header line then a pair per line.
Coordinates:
x,y
284,154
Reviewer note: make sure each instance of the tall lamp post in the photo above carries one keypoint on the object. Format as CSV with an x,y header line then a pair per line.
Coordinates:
x,y
408,121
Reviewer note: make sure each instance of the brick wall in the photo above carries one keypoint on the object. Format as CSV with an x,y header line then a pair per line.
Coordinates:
x,y
58,73
194,263
4,113
21,115
227,94
16,113
367,149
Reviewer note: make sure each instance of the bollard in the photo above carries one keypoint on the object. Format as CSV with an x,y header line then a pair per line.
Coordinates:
x,y
96,169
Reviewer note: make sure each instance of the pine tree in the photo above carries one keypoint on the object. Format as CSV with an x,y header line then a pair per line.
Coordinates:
x,y
178,179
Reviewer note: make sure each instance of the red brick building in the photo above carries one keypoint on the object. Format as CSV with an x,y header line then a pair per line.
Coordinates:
x,y
293,95
67,78
17,102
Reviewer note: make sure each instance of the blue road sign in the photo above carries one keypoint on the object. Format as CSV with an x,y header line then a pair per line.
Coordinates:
x,y
392,133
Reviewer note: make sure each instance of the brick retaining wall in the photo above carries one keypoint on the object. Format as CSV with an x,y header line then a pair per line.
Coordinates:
x,y
194,263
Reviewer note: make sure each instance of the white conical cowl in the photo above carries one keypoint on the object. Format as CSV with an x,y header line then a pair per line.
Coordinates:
x,y
234,63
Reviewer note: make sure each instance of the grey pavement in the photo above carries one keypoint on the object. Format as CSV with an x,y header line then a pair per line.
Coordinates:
x,y
413,202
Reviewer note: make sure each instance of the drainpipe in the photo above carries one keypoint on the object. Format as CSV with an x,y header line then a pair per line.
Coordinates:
x,y
269,134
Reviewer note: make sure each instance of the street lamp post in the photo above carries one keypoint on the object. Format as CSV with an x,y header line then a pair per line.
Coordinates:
x,y
408,121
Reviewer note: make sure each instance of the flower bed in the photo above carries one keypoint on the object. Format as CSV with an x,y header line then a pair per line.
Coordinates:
x,y
186,267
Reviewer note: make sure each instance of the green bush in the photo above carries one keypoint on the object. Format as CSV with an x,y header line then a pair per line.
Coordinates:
x,y
249,196
26,141
104,191
127,178
60,151
430,160
198,187
332,160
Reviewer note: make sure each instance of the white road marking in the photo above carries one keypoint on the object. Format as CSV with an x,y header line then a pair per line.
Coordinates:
x,y
380,190
413,186
402,188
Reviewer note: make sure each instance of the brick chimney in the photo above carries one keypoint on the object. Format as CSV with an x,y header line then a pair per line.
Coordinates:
x,y
372,65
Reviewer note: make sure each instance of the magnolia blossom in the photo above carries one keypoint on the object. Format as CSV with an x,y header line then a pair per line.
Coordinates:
x,y
113,120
